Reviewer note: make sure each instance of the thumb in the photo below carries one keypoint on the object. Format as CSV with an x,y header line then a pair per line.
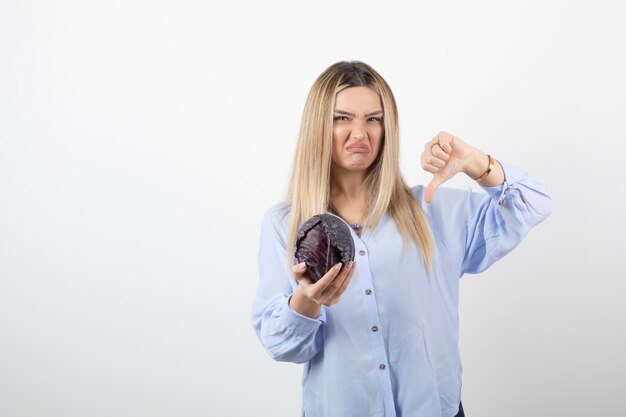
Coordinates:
x,y
299,273
432,187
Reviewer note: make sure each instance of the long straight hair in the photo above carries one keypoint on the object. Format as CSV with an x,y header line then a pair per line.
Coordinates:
x,y
309,187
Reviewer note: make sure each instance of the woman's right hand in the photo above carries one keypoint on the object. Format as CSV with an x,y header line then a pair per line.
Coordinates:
x,y
326,291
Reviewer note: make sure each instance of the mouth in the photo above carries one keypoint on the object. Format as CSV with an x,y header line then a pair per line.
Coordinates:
x,y
358,149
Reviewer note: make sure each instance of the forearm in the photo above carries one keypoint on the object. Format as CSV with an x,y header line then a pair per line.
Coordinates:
x,y
498,223
287,335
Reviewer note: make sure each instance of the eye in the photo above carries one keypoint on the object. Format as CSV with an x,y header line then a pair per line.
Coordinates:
x,y
376,119
340,117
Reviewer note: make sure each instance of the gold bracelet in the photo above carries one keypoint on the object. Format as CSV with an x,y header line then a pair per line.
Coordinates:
x,y
489,168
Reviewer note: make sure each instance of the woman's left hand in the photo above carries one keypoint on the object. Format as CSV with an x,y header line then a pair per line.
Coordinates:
x,y
445,156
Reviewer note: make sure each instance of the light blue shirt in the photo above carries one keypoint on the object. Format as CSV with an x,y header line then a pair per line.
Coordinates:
x,y
389,347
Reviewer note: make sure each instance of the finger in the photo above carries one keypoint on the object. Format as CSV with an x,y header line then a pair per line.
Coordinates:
x,y
430,168
339,279
325,281
439,152
299,268
334,298
346,282
427,165
434,140
299,272
432,187
445,141
429,148
436,162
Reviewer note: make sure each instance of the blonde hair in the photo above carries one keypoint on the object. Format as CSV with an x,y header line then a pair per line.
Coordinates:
x,y
309,187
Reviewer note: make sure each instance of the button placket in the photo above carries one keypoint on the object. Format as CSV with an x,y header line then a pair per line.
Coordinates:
x,y
376,336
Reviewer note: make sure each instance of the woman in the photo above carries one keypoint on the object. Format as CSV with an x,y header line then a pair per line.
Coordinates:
x,y
379,337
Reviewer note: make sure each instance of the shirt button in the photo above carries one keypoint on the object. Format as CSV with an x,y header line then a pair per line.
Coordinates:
x,y
374,328
381,366
368,291
361,252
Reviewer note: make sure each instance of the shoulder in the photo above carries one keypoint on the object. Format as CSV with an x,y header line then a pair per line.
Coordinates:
x,y
276,217
278,211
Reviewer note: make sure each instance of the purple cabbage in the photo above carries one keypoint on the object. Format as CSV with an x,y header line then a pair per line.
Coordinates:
x,y
321,242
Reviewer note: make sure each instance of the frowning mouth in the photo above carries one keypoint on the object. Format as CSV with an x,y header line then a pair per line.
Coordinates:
x,y
358,149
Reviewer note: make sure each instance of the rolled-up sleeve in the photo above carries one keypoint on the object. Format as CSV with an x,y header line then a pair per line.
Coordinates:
x,y
286,334
498,221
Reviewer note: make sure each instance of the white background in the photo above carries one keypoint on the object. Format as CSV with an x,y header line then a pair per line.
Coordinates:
x,y
141,142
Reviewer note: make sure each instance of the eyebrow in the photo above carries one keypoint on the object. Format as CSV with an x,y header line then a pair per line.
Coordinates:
x,y
354,115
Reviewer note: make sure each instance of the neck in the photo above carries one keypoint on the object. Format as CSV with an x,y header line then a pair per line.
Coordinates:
x,y
348,198
347,185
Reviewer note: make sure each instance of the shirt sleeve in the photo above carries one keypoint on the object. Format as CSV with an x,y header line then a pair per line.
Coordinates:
x,y
286,334
498,221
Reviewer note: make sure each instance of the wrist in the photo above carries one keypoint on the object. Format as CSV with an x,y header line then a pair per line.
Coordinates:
x,y
303,305
476,165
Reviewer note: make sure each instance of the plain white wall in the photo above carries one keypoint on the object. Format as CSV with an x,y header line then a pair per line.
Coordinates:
x,y
141,142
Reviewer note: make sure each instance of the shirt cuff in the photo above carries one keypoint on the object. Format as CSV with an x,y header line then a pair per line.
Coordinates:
x,y
303,324
512,175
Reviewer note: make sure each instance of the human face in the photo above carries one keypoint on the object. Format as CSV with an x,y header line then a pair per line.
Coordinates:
x,y
357,128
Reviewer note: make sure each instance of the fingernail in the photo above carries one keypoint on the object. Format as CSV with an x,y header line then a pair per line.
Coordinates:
x,y
338,266
301,265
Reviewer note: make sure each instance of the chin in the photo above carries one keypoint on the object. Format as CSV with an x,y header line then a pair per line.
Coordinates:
x,y
353,165
358,167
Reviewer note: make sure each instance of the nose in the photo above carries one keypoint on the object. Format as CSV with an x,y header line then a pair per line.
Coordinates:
x,y
358,131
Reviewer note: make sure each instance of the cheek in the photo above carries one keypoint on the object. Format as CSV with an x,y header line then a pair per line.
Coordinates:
x,y
339,137
339,132
376,135
336,145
